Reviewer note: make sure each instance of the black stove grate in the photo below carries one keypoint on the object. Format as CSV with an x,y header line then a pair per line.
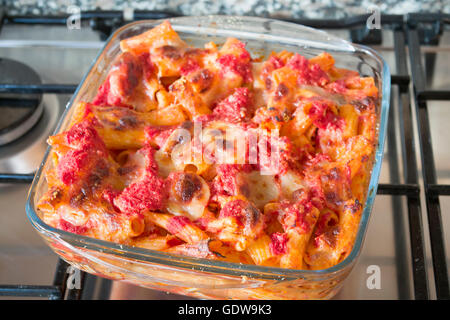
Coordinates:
x,y
409,32
432,190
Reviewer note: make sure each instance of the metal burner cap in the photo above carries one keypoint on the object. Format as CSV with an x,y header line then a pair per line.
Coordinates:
x,y
19,112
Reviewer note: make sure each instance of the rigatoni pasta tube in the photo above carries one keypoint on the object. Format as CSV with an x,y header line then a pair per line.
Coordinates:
x,y
179,226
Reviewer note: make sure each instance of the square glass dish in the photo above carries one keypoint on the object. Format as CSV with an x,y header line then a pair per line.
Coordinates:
x,y
205,278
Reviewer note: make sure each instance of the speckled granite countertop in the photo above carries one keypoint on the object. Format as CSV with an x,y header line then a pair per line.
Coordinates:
x,y
330,9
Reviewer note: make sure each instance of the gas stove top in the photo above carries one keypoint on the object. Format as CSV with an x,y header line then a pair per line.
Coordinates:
x,y
408,239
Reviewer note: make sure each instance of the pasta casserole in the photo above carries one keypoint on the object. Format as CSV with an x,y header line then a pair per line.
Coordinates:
x,y
214,153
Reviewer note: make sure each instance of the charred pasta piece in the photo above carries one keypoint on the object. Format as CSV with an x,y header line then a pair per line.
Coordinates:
x,y
210,153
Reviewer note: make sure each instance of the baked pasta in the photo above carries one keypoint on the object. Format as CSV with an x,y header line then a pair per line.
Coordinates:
x,y
212,153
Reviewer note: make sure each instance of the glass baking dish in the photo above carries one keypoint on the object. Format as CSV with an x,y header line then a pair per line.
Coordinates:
x,y
201,277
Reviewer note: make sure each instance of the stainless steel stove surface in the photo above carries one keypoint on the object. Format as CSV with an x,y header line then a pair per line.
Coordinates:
x,y
62,56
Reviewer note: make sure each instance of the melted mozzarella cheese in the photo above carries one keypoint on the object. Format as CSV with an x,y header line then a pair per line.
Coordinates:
x,y
195,206
134,168
261,188
226,141
290,182
165,164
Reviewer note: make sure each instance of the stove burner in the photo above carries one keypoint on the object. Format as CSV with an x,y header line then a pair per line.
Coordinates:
x,y
18,112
